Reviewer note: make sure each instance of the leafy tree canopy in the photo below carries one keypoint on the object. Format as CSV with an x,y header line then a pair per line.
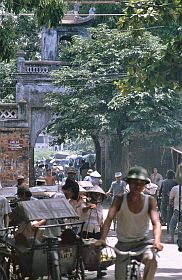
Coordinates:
x,y
43,12
88,81
25,37
7,81
152,87
48,12
92,103
162,19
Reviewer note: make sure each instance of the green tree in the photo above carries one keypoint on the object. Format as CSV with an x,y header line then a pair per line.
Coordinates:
x,y
47,13
161,19
7,81
26,37
107,89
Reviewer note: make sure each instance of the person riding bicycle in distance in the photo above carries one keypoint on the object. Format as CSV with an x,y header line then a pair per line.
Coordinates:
x,y
134,210
118,186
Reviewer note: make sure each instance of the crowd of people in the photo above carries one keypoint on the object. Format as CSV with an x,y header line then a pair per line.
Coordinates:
x,y
136,199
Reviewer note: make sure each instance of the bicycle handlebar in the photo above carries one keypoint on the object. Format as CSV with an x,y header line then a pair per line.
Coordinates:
x,y
131,253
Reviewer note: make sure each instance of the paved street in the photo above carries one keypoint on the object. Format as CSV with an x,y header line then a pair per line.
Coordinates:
x,y
169,262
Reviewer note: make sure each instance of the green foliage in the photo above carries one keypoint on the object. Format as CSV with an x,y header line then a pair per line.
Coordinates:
x,y
27,36
112,85
150,95
7,38
79,145
150,13
42,154
50,12
25,31
88,81
162,19
154,115
46,13
7,81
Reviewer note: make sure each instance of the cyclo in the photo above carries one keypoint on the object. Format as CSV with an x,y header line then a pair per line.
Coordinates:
x,y
53,250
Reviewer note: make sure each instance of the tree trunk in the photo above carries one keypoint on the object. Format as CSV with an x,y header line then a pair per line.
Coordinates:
x,y
95,139
125,160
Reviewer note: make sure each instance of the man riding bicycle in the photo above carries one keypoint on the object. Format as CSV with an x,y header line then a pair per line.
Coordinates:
x,y
117,187
134,210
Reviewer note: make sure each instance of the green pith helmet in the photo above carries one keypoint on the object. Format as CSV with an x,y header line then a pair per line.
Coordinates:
x,y
138,172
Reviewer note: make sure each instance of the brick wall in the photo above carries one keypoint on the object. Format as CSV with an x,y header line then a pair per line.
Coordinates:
x,y
14,155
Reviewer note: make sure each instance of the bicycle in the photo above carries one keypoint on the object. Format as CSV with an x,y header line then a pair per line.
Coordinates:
x,y
135,267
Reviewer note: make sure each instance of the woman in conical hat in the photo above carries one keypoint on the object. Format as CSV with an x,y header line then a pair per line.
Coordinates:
x,y
96,178
92,214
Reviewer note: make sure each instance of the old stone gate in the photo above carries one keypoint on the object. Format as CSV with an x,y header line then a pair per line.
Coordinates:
x,y
21,122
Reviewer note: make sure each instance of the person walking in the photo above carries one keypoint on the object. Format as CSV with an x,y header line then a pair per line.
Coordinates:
x,y
166,208
134,211
174,200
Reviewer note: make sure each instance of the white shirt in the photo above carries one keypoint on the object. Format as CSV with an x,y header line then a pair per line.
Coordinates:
x,y
131,226
151,188
174,194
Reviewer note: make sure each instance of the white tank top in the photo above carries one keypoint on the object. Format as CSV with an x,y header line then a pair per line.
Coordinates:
x,y
132,226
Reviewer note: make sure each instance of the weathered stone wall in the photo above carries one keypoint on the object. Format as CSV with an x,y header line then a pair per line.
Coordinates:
x,y
14,155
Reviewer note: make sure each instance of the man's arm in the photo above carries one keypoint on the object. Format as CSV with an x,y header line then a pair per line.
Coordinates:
x,y
110,190
110,216
156,223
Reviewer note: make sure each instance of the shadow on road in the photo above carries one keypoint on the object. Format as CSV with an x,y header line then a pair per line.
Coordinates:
x,y
168,273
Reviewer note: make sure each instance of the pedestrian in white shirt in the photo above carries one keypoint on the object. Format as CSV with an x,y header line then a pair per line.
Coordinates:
x,y
174,199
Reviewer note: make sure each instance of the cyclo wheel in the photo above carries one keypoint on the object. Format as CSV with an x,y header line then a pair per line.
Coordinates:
x,y
80,269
